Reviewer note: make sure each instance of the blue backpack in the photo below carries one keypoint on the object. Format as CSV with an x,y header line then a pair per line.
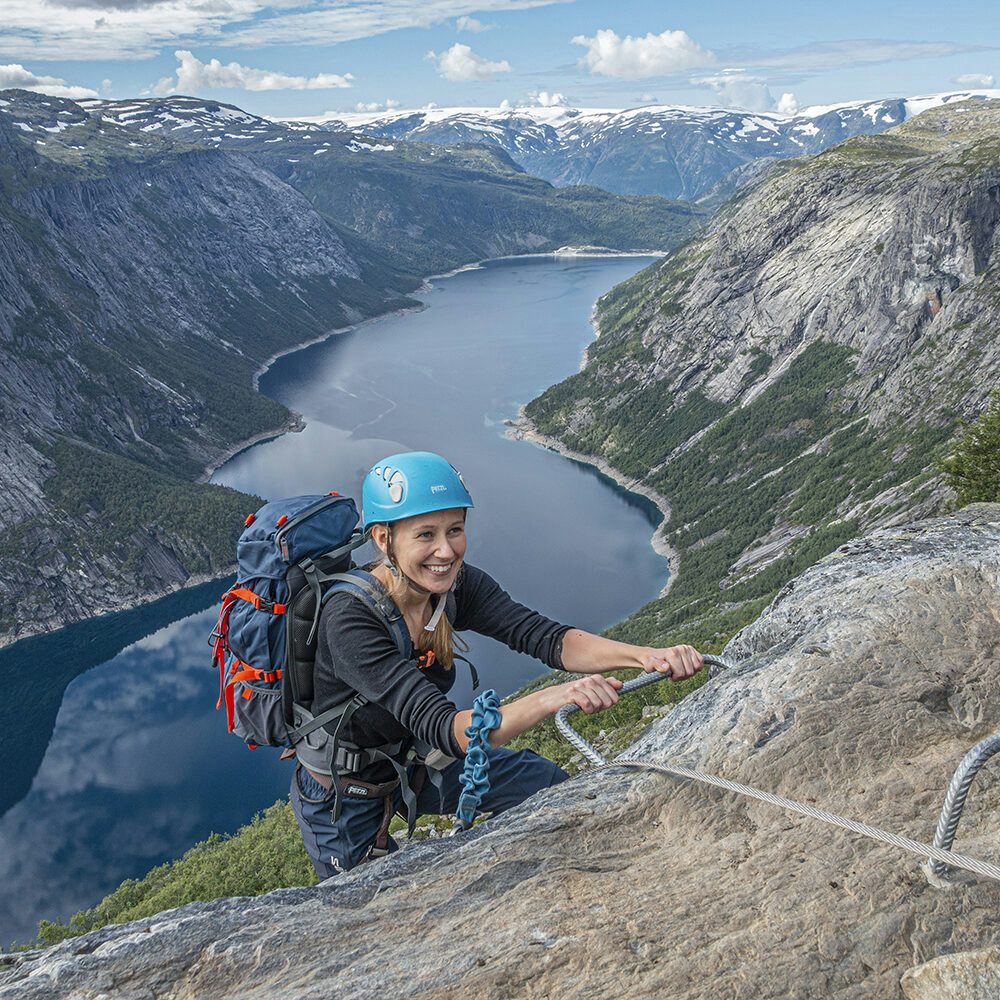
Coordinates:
x,y
290,554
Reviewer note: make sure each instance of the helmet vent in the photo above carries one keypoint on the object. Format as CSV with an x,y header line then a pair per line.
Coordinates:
x,y
396,483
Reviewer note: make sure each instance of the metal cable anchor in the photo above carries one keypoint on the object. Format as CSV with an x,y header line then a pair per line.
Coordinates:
x,y
954,800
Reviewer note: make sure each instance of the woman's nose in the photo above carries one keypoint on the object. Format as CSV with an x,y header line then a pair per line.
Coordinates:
x,y
444,548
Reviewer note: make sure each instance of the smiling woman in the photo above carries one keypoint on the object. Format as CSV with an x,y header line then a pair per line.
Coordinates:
x,y
385,662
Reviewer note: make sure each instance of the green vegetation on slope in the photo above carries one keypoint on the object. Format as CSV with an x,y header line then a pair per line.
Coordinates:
x,y
123,498
781,463
429,210
116,508
266,854
973,468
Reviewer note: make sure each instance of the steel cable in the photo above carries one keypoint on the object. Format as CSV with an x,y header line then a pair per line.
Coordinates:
x,y
938,855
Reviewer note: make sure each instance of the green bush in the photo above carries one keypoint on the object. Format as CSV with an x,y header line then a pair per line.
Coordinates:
x,y
973,468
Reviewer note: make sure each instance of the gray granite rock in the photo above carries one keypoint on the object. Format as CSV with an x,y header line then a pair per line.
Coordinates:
x,y
969,975
858,690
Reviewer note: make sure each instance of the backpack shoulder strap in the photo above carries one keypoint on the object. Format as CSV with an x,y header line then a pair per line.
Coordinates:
x,y
362,585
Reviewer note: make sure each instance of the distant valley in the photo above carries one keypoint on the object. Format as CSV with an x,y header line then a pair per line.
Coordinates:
x,y
785,379
145,278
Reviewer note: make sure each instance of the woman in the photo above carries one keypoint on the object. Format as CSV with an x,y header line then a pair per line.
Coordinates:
x,y
414,507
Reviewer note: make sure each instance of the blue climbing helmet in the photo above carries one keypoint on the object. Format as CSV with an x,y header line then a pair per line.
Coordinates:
x,y
414,482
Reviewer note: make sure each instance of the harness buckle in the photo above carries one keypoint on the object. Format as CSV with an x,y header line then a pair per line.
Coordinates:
x,y
350,760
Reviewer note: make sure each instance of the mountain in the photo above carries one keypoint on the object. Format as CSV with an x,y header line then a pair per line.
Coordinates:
x,y
792,377
147,274
675,152
857,692
402,196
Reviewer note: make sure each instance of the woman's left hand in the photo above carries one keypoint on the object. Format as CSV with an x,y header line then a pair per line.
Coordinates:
x,y
680,662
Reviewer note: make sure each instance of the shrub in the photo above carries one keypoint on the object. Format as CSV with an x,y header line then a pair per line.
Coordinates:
x,y
973,469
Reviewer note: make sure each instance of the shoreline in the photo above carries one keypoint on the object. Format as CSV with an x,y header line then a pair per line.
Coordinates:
x,y
297,422
125,604
522,429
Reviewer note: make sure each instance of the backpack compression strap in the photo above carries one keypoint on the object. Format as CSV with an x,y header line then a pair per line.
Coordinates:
x,y
219,641
363,586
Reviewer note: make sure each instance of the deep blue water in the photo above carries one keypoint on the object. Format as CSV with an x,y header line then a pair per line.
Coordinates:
x,y
123,763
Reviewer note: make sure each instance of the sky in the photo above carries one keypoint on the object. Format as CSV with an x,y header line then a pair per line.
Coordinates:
x,y
290,58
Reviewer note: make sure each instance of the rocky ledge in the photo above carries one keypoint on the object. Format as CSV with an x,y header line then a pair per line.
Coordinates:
x,y
858,690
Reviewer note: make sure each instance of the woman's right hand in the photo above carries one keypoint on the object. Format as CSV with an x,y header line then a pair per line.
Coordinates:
x,y
590,694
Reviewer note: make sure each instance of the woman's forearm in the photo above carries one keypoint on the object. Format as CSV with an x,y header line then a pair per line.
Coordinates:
x,y
516,717
585,653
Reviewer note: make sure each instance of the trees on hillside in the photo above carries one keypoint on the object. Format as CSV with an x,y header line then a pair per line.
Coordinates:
x,y
973,469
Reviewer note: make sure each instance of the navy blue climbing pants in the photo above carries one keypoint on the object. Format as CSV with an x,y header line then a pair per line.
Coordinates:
x,y
338,846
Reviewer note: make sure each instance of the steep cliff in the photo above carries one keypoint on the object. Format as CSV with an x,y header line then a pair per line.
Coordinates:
x,y
791,378
140,289
145,278
858,691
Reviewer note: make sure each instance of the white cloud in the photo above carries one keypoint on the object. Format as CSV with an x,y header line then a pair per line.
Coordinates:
x,y
105,86
387,105
162,87
16,75
647,98
471,24
637,58
738,89
139,29
547,100
975,80
787,104
505,105
461,64
194,76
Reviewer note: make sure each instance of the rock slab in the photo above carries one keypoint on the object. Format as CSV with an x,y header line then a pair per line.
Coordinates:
x,y
859,690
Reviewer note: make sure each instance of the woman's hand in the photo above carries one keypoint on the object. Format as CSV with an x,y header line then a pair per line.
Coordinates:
x,y
680,662
590,694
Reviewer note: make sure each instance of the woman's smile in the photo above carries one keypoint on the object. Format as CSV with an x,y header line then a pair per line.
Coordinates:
x,y
429,548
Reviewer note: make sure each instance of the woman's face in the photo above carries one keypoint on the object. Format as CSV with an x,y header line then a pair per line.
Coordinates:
x,y
429,548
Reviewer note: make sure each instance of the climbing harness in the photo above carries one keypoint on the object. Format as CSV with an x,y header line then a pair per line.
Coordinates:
x,y
476,772
939,855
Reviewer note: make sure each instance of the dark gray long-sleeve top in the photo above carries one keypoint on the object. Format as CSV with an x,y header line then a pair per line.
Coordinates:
x,y
357,654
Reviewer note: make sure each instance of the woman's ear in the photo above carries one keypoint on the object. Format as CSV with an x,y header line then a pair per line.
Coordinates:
x,y
380,536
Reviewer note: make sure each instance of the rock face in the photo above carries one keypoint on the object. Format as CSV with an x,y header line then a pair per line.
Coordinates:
x,y
859,690
969,975
806,363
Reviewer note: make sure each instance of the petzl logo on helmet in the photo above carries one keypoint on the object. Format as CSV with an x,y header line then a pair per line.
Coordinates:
x,y
439,488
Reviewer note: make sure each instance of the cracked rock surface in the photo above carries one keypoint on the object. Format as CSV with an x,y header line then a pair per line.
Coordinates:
x,y
858,691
